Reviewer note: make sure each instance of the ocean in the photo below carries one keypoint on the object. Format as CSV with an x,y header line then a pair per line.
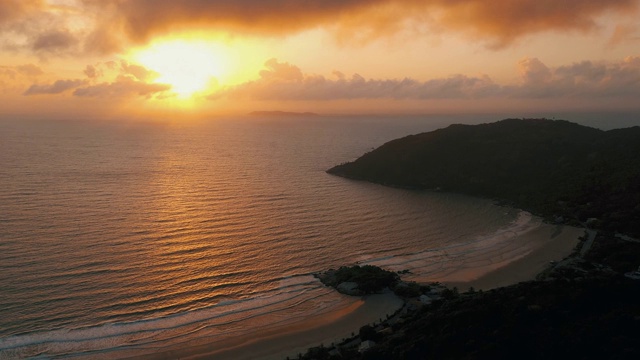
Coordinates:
x,y
123,238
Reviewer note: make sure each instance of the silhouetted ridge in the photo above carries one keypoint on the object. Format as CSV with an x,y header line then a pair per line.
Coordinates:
x,y
549,167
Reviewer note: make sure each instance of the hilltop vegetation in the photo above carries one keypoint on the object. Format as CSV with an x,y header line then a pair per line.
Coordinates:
x,y
552,168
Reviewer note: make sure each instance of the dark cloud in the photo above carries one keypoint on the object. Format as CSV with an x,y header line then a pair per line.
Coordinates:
x,y
142,18
37,26
57,87
504,21
92,72
121,23
499,21
11,10
122,87
55,41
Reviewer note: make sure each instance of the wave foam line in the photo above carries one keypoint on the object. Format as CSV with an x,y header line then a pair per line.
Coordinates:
x,y
442,262
293,292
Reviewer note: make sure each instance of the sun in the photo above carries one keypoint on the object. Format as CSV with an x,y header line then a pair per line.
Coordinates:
x,y
188,66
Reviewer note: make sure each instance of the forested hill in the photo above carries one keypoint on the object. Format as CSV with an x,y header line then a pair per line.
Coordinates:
x,y
553,168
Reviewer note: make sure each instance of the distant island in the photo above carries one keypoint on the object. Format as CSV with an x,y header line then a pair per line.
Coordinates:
x,y
560,170
282,113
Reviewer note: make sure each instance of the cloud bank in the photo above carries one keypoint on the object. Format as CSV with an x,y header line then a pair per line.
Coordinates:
x,y
57,87
41,27
122,88
502,20
282,81
104,80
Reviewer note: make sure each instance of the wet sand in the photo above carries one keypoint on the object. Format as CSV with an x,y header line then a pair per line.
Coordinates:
x,y
289,340
553,242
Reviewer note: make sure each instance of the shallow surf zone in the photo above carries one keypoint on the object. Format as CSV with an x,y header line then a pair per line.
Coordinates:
x,y
296,298
468,261
238,323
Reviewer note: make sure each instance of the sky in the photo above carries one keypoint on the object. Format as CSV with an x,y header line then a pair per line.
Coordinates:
x,y
103,59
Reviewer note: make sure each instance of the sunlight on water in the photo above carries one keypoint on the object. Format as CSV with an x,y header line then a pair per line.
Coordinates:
x,y
144,237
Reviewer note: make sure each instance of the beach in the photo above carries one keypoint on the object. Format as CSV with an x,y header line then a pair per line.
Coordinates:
x,y
328,329
552,243
288,340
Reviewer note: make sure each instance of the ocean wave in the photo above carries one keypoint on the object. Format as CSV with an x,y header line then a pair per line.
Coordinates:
x,y
480,253
226,318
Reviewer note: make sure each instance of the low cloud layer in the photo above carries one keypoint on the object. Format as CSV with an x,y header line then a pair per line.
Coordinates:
x,y
57,87
122,88
580,80
108,26
104,80
285,82
282,81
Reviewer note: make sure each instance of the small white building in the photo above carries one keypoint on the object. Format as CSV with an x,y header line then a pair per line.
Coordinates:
x,y
366,345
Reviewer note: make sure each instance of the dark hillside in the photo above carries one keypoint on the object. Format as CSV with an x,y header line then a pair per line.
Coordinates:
x,y
549,167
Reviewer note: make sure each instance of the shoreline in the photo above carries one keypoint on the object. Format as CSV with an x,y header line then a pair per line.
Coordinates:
x,y
555,247
553,243
291,339
298,338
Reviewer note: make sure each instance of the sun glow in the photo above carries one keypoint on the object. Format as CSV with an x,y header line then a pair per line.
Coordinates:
x,y
188,66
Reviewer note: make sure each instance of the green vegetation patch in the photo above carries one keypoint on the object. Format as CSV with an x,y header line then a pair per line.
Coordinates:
x,y
370,279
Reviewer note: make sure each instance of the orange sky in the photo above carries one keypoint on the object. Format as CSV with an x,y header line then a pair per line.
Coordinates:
x,y
162,58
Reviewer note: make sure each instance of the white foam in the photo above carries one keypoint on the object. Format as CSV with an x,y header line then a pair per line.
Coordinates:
x,y
482,253
223,319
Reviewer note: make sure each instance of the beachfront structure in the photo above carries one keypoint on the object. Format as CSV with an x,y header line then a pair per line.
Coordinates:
x,y
366,345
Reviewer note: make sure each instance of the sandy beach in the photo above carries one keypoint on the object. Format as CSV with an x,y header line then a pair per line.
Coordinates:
x,y
297,338
278,342
553,243
550,243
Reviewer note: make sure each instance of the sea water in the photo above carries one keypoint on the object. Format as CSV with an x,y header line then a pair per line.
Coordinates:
x,y
135,238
